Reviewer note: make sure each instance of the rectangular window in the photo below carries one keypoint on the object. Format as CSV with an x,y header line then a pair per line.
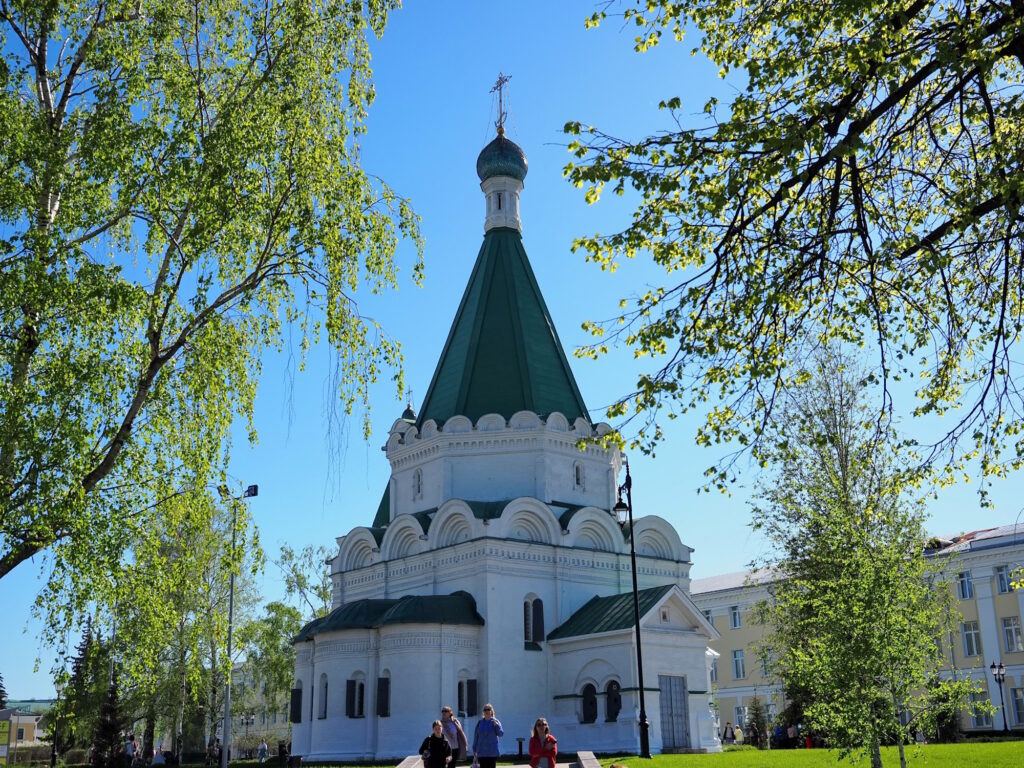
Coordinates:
x,y
964,585
707,615
1002,579
383,697
972,638
20,735
296,705
739,668
734,617
1012,639
980,718
714,670
1017,705
766,664
740,713
471,698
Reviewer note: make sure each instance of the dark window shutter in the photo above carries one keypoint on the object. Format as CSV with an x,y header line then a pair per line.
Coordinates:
x,y
383,697
527,634
462,699
471,709
360,699
538,621
295,715
350,698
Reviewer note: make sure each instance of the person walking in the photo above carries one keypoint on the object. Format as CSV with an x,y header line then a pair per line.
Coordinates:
x,y
435,749
486,744
543,745
728,734
261,752
453,733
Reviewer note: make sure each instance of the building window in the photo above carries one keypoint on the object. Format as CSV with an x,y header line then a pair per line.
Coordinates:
x,y
467,698
417,484
707,615
740,713
1011,635
714,670
323,696
664,615
1002,579
577,475
735,622
612,701
589,704
273,718
263,717
1017,705
355,698
533,620
384,696
972,638
20,735
979,717
296,703
964,585
739,667
766,664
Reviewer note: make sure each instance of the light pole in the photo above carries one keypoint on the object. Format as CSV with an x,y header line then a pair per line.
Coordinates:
x,y
999,673
56,714
225,743
248,720
627,507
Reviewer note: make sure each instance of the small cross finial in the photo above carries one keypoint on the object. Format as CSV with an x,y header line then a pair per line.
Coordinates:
x,y
408,396
499,86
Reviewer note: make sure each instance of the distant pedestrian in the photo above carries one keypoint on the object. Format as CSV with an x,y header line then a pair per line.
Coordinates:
x,y
261,753
456,737
543,745
728,733
486,744
435,749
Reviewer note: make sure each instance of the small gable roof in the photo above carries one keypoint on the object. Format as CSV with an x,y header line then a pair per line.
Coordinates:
x,y
608,614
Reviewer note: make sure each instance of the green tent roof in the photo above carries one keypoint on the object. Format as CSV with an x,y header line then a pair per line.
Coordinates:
x,y
607,614
456,608
502,354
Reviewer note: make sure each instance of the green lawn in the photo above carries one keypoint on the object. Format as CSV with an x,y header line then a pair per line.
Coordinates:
x,y
1006,754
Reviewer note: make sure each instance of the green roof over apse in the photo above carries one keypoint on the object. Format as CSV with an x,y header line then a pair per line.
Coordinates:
x,y
608,614
456,608
502,354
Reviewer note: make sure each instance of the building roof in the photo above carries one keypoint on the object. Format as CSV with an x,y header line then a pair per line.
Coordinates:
x,y
726,581
984,538
608,614
456,608
502,354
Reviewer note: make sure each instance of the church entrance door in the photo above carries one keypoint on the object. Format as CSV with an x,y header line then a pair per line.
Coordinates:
x,y
674,719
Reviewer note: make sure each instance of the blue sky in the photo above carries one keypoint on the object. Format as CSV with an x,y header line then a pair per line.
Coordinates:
x,y
433,114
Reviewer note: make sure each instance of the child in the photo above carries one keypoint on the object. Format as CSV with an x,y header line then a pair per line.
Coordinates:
x,y
435,749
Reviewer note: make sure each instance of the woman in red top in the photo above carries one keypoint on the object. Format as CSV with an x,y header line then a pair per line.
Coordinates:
x,y
543,746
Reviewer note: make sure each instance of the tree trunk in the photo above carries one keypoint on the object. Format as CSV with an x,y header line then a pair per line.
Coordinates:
x,y
876,750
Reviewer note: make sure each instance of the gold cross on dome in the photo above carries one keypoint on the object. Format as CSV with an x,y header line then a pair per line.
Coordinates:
x,y
499,86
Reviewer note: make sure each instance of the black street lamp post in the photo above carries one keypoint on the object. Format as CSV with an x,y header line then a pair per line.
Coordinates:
x,y
252,490
627,507
56,716
999,673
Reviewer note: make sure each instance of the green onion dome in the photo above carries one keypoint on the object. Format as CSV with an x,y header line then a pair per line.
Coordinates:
x,y
501,157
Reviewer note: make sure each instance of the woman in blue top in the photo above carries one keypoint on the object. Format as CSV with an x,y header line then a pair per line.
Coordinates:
x,y
486,747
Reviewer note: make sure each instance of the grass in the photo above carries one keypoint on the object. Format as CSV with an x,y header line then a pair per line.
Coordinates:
x,y
1004,754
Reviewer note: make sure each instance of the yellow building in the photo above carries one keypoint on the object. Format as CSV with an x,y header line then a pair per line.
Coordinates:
x,y
977,566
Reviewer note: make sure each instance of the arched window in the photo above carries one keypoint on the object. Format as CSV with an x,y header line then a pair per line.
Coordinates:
x,y
577,475
533,620
417,484
323,696
613,701
589,714
355,697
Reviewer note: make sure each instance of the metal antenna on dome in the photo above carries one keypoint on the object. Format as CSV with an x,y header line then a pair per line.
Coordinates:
x,y
499,86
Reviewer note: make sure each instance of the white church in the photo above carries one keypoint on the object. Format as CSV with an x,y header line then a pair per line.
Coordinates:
x,y
495,569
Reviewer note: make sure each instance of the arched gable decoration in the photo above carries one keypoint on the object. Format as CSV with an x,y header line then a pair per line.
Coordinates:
x,y
358,550
453,523
592,528
528,519
402,538
654,537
